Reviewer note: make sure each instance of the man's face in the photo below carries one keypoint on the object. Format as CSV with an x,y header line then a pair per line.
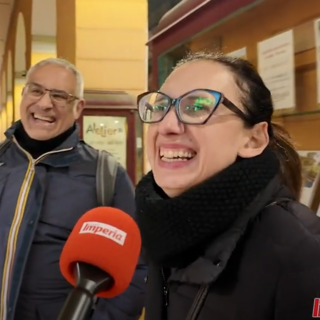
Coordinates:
x,y
49,104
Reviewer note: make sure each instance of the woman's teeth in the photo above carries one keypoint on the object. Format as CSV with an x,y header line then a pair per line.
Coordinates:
x,y
176,155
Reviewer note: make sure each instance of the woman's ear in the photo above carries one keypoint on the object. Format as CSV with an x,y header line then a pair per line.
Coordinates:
x,y
258,140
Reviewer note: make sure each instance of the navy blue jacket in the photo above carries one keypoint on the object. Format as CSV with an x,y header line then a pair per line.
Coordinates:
x,y
40,202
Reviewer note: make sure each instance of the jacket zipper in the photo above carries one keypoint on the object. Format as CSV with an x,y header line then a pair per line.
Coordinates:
x,y
14,230
165,289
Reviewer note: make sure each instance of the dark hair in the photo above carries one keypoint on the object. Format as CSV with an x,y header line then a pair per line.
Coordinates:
x,y
257,101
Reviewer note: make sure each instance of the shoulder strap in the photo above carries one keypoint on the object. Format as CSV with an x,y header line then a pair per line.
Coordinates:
x,y
198,303
107,167
280,202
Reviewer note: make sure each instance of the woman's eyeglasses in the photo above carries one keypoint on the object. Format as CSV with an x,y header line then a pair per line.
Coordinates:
x,y
194,107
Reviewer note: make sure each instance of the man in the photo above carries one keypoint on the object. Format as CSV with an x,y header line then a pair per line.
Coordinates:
x,y
47,181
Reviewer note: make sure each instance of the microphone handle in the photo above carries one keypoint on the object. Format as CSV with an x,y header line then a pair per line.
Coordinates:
x,y
78,306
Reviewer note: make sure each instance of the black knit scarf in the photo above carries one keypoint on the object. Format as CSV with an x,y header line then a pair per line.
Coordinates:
x,y
176,231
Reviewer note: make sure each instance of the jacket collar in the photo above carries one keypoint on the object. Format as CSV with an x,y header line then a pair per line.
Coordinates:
x,y
70,142
68,148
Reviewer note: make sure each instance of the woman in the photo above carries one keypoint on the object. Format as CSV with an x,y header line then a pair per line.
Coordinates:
x,y
223,233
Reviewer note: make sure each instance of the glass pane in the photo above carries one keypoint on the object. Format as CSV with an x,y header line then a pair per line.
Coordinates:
x,y
107,133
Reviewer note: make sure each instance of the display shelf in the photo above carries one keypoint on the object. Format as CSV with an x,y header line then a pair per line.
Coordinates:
x,y
285,115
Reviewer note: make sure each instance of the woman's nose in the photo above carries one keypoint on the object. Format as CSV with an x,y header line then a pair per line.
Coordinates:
x,y
171,124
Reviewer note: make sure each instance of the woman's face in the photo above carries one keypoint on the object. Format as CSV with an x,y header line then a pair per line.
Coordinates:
x,y
212,146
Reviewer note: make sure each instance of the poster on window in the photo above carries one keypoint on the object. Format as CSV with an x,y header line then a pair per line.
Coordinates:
x,y
240,53
107,133
310,174
277,69
317,42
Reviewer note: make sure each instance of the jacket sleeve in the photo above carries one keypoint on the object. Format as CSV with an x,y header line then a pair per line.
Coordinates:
x,y
129,305
299,286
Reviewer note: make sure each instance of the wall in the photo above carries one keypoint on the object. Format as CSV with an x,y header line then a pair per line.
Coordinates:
x,y
66,31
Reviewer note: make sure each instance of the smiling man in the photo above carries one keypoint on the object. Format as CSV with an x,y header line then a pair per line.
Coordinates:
x,y
47,182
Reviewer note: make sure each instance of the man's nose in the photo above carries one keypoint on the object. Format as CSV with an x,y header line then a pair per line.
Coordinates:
x,y
171,124
45,101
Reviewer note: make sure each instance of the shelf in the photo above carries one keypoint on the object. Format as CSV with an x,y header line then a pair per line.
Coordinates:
x,y
296,114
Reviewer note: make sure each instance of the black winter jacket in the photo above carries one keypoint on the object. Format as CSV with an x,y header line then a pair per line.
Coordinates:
x,y
266,267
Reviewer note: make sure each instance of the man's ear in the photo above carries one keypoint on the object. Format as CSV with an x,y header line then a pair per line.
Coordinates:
x,y
78,108
258,140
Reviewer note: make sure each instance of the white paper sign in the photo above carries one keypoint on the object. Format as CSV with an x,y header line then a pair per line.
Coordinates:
x,y
276,67
107,133
311,173
241,53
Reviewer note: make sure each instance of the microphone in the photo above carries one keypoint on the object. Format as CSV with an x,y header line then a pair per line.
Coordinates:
x,y
99,259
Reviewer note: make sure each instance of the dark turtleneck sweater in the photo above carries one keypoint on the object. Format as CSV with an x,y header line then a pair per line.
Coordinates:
x,y
38,147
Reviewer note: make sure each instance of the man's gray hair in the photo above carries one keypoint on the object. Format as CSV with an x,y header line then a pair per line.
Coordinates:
x,y
65,64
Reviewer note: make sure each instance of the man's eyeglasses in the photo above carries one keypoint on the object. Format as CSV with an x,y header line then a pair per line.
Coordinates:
x,y
36,91
194,107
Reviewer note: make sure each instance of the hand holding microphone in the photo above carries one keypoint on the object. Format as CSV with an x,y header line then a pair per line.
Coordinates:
x,y
99,259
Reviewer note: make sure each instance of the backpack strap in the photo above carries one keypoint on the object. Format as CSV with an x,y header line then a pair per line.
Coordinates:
x,y
198,303
107,166
280,202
